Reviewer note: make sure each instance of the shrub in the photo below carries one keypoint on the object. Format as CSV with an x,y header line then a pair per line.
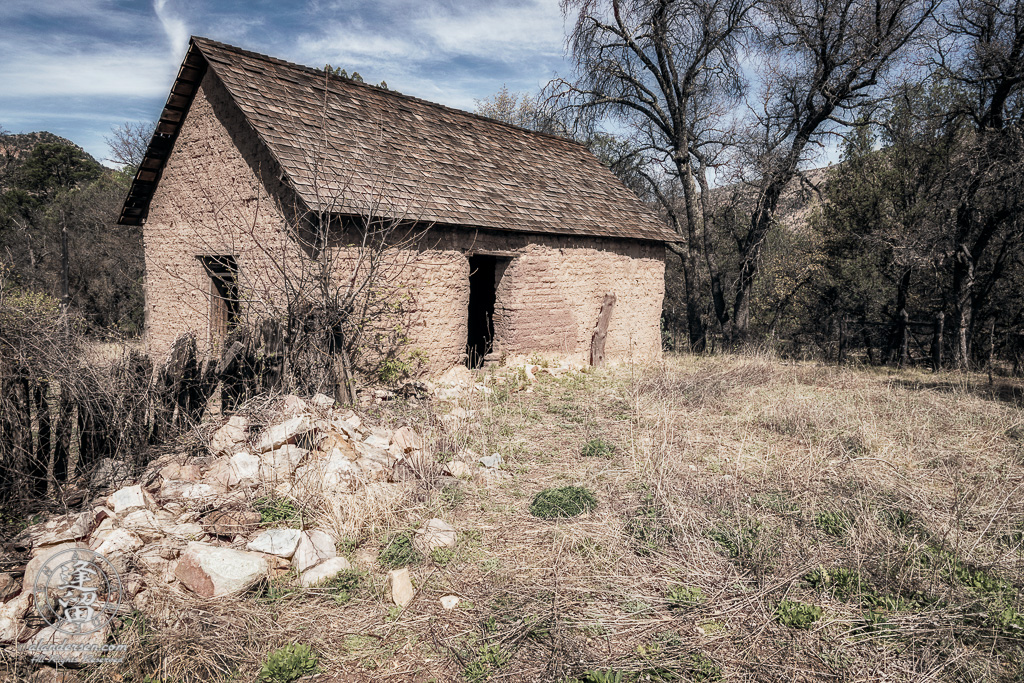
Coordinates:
x,y
288,663
567,501
597,448
796,614
399,552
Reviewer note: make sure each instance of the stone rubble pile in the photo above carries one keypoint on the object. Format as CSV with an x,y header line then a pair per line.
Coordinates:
x,y
190,525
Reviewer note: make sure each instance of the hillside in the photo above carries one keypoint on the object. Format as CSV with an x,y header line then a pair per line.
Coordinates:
x,y
16,147
752,520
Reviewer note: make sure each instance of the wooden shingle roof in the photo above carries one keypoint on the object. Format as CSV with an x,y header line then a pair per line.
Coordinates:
x,y
352,149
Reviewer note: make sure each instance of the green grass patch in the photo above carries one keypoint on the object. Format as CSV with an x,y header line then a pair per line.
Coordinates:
x,y
567,501
795,614
344,586
398,551
288,663
278,512
598,448
833,522
685,597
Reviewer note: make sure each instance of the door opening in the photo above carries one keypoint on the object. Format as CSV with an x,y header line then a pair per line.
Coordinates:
x,y
223,272
484,274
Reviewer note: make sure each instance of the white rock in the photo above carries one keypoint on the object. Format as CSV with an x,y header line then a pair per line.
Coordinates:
x,y
57,646
62,529
211,571
279,542
39,558
11,615
240,469
436,533
336,473
344,427
278,435
400,583
187,530
129,498
457,468
449,601
144,523
291,405
314,547
324,571
375,453
229,437
407,439
322,401
492,460
280,464
377,441
181,472
118,542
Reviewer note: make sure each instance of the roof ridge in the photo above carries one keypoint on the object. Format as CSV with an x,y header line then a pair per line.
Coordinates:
x,y
394,93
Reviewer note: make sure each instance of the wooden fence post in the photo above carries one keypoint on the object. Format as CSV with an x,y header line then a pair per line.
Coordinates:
x,y
841,356
940,319
904,338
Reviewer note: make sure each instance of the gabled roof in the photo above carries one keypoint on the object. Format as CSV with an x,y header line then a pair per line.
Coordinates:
x,y
359,148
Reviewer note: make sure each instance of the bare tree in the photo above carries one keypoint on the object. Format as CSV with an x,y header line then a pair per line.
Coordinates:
x,y
669,70
821,60
128,143
983,57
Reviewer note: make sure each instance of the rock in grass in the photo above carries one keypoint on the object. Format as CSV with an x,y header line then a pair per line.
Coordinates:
x,y
567,501
435,534
314,547
280,542
324,571
402,591
210,571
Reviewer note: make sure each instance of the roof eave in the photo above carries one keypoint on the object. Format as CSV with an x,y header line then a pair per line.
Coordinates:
x,y
147,176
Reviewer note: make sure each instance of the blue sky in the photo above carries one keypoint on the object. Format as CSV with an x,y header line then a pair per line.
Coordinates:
x,y
79,67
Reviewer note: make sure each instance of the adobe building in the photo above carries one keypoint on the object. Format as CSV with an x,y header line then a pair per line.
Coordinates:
x,y
525,232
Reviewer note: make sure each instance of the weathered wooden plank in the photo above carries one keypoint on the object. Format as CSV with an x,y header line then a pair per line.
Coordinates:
x,y
601,330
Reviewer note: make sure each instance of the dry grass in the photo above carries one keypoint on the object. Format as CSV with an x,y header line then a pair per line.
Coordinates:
x,y
892,501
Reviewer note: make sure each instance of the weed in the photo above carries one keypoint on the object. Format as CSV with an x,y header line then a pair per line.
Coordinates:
x,y
796,614
597,448
703,668
841,582
288,663
833,522
487,659
636,607
344,586
278,512
897,519
684,597
278,588
399,552
568,501
606,676
452,496
442,556
740,542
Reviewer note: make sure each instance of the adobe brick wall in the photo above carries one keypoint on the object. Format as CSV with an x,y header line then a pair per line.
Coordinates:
x,y
220,193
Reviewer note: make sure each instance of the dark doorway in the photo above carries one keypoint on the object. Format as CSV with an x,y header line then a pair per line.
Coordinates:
x,y
484,272
223,272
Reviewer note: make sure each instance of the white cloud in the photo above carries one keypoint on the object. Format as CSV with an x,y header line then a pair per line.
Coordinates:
x,y
99,71
173,26
502,33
